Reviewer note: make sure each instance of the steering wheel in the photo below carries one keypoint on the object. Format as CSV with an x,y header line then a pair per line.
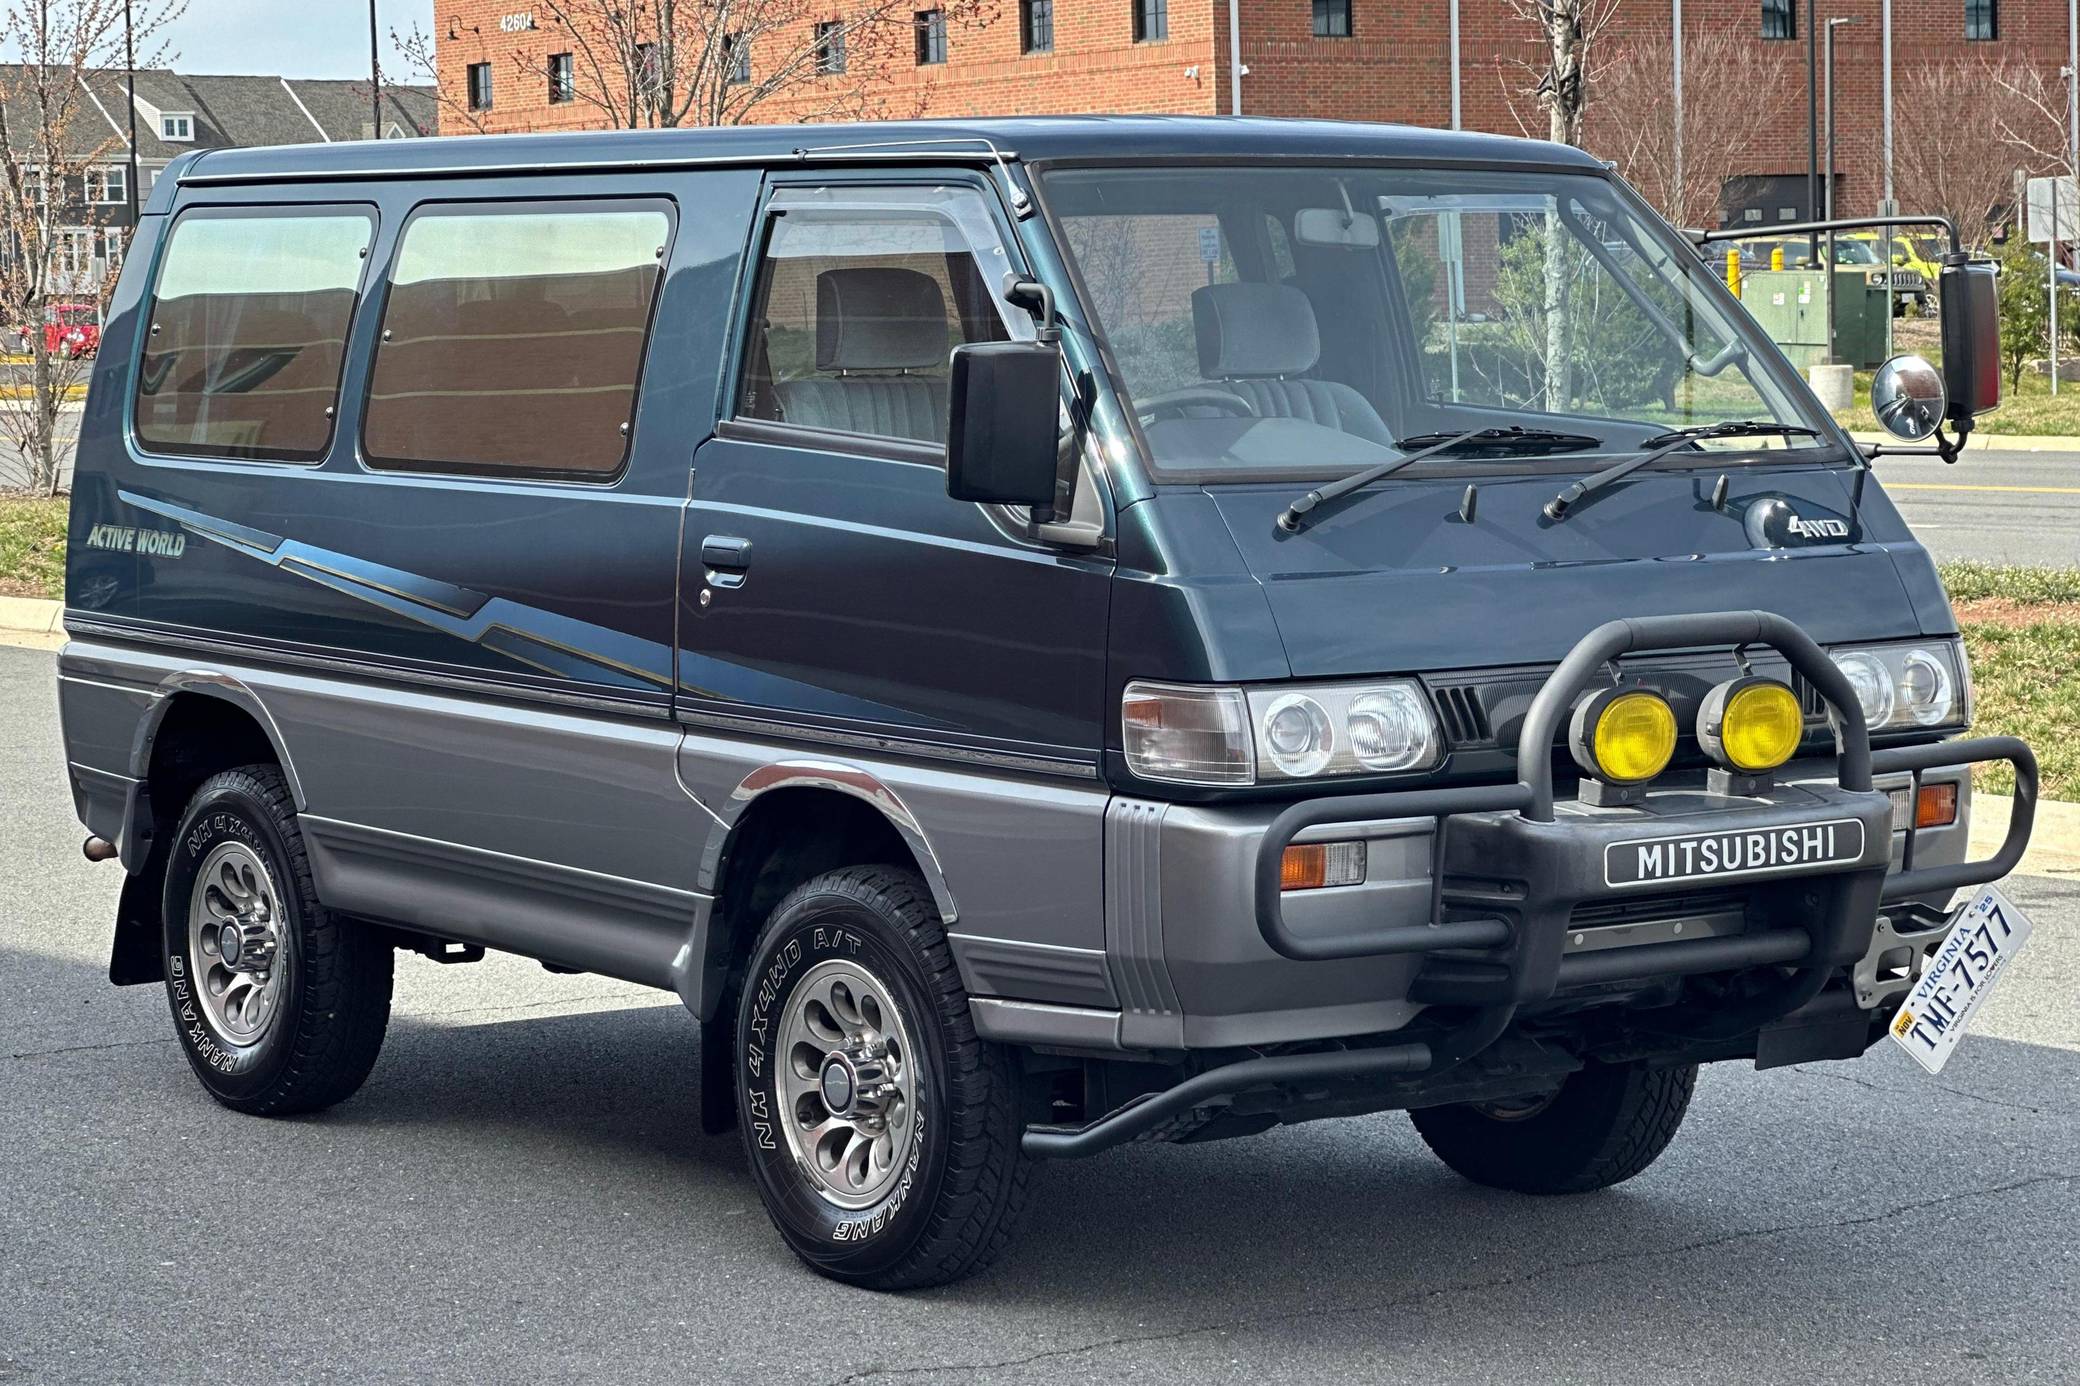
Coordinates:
x,y
1175,402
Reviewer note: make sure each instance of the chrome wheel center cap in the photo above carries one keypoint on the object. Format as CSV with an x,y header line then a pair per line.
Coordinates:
x,y
839,1085
246,945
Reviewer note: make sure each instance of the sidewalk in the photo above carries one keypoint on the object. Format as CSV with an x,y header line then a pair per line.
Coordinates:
x,y
32,623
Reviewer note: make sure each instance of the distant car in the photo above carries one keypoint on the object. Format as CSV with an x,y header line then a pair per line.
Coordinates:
x,y
1850,253
70,330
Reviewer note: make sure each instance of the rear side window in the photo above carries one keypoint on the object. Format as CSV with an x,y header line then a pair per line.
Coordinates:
x,y
513,339
248,329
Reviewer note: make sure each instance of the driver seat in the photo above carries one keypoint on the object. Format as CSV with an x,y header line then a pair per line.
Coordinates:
x,y
1257,340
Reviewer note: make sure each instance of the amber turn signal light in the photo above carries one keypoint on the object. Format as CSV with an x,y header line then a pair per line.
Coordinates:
x,y
1935,806
1312,865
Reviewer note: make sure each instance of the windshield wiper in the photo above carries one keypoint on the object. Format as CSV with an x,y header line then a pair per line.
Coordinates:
x,y
1512,440
1575,492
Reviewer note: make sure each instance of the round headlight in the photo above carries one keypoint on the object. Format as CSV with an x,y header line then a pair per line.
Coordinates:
x,y
1624,736
1872,682
1925,687
1388,729
1297,735
1750,724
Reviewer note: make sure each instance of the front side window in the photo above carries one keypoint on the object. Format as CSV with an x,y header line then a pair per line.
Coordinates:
x,y
931,37
248,329
1295,319
1779,19
859,306
480,86
1982,20
1151,20
1332,18
513,339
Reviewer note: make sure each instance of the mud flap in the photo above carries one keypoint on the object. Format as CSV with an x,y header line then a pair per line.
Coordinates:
x,y
718,1078
136,956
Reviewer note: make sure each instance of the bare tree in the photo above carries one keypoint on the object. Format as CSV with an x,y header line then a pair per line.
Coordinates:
x,y
1727,78
660,63
56,246
1962,132
1559,81
415,46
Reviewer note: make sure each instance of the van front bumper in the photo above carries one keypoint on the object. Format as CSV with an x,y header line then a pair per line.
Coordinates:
x,y
1489,905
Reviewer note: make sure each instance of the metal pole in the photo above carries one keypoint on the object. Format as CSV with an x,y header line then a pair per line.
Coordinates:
x,y
2072,86
2051,280
1887,19
130,81
1679,207
1455,64
375,76
1234,57
1827,193
1813,124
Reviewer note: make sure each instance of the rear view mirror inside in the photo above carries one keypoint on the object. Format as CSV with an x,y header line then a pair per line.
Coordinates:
x,y
1334,226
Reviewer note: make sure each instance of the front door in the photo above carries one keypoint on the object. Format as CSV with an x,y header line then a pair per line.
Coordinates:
x,y
830,586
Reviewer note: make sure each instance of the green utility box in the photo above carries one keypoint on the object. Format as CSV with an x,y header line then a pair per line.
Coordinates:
x,y
1789,304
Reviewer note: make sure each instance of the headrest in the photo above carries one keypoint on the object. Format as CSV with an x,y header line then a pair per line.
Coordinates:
x,y
879,318
1249,330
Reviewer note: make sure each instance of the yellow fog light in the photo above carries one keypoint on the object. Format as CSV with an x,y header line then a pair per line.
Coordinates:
x,y
1623,736
1750,724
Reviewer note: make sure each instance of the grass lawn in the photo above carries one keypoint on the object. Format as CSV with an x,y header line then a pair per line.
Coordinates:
x,y
2026,408
32,547
2022,628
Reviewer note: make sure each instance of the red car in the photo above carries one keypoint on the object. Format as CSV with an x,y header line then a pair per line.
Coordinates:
x,y
69,329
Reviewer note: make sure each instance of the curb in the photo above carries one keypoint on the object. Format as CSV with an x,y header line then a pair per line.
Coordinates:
x,y
2054,843
1994,442
32,622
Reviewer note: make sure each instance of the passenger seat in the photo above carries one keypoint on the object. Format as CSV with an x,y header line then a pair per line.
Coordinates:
x,y
1256,340
876,328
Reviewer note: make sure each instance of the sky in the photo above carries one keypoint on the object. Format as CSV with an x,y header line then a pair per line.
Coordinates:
x,y
291,38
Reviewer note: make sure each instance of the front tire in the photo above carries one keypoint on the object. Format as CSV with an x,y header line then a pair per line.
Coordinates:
x,y
1605,1124
279,1006
882,1133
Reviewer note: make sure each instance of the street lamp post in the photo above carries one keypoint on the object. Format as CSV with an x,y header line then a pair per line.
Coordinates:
x,y
1827,264
1813,122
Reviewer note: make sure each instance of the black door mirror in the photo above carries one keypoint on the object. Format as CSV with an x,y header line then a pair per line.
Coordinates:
x,y
1002,435
1970,296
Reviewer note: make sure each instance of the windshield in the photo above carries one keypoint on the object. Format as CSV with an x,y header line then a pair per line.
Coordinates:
x,y
1297,322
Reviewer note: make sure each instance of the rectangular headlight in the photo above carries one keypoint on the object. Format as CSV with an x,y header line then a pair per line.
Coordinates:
x,y
1909,685
1192,734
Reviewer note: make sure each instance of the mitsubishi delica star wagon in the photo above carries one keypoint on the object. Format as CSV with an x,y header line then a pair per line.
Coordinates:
x,y
1044,634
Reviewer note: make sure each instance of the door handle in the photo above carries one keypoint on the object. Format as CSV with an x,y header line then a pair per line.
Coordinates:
x,y
726,557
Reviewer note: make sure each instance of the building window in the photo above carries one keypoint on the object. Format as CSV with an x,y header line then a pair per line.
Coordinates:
x,y
931,37
647,66
1332,18
249,329
33,185
513,339
736,58
1151,20
1036,26
480,86
1779,19
108,184
563,80
830,48
1982,19
178,126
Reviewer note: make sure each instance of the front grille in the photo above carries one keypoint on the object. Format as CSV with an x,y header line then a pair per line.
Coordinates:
x,y
1596,914
1465,720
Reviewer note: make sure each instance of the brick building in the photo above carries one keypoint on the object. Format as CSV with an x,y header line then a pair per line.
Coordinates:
x,y
501,68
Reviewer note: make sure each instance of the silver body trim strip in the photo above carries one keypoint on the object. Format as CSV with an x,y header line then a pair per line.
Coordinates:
x,y
798,158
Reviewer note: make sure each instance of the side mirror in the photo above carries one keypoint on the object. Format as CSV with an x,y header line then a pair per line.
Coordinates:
x,y
1908,397
1003,416
1970,295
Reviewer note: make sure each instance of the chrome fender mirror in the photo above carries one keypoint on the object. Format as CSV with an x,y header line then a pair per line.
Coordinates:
x,y
1908,397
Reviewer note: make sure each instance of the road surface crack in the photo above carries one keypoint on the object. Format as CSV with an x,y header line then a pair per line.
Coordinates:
x,y
1374,1306
1909,1092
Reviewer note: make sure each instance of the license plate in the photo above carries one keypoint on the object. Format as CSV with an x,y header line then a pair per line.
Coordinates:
x,y
1655,861
1987,935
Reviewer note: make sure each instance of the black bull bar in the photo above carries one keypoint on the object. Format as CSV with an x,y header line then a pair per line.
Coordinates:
x,y
1492,964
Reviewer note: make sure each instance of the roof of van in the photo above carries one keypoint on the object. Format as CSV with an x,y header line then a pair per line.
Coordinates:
x,y
1028,138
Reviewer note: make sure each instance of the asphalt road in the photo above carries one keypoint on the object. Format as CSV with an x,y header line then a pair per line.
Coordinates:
x,y
1994,506
520,1193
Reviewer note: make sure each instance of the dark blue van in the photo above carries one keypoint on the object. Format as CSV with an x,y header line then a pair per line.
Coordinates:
x,y
1044,633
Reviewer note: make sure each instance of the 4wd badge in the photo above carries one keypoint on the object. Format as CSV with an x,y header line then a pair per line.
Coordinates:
x,y
1772,524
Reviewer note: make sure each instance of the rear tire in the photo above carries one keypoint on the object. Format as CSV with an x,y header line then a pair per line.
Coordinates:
x,y
882,1133
279,1005
1605,1124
